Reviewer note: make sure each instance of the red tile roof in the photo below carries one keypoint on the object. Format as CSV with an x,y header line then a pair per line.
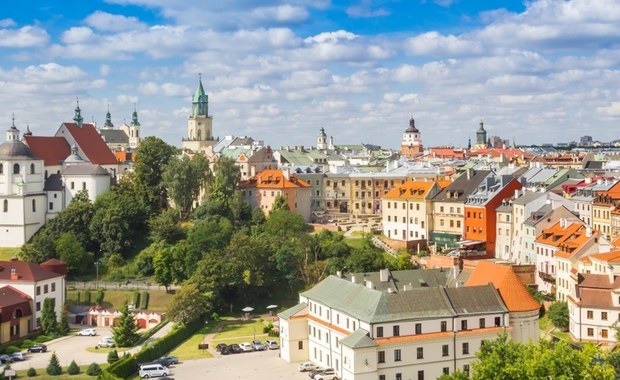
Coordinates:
x,y
52,149
92,144
274,179
510,288
26,272
610,257
12,299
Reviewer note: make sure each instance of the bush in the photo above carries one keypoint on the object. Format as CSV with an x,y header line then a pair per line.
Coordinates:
x,y
93,370
112,356
144,300
79,298
73,369
42,338
87,297
54,368
100,295
558,314
10,349
136,299
26,343
31,372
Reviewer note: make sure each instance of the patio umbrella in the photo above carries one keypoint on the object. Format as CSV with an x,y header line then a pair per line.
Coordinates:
x,y
271,307
247,309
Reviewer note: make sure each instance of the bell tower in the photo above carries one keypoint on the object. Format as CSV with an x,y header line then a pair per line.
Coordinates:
x,y
412,141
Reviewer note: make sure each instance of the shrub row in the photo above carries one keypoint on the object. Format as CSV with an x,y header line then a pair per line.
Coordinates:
x,y
144,300
128,366
136,299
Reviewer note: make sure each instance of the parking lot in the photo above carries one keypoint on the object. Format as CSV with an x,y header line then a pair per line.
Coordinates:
x,y
259,365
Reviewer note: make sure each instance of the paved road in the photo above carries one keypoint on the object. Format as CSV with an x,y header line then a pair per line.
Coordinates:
x,y
75,348
262,365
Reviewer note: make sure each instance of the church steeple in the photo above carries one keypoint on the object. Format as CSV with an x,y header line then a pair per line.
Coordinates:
x,y
200,101
134,117
78,115
12,134
481,136
108,120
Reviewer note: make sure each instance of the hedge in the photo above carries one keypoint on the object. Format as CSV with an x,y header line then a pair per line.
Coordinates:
x,y
127,367
136,299
144,300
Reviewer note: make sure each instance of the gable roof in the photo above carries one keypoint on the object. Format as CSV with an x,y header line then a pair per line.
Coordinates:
x,y
91,143
510,288
114,136
52,149
274,179
26,272
414,190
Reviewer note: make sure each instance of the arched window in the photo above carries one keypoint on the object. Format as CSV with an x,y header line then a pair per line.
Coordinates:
x,y
46,174
5,206
16,169
31,168
1,168
18,313
34,206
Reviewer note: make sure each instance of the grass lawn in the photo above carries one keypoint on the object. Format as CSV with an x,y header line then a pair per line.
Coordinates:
x,y
158,299
240,329
189,349
355,242
545,323
8,253
42,375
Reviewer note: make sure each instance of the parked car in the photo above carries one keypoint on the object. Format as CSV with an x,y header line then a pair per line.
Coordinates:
x,y
87,332
37,348
167,361
234,348
106,342
328,374
306,366
258,345
4,358
319,371
218,348
18,356
246,347
272,344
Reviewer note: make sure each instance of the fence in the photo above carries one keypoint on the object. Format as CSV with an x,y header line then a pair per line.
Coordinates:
x,y
112,285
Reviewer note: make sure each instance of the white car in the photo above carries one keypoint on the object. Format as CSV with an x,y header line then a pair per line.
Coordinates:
x,y
307,366
87,332
328,374
272,344
246,347
107,342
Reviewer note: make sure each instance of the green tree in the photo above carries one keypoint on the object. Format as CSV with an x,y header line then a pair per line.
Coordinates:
x,y
456,375
184,178
63,325
226,181
279,203
365,259
165,227
163,262
93,370
125,333
558,314
53,367
152,155
49,320
71,251
112,356
188,304
73,369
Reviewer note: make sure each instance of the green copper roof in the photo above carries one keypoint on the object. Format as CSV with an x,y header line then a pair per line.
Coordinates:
x,y
200,101
358,339
286,314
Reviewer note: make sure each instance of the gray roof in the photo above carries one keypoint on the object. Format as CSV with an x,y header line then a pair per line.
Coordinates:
x,y
84,169
114,136
434,277
476,300
463,185
358,339
286,314
527,197
16,150
53,183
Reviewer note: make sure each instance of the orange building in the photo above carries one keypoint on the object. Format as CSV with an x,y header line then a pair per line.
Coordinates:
x,y
262,189
480,217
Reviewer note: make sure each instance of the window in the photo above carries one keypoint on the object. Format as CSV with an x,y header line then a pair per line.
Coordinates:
x,y
45,289
465,348
396,330
464,324
397,356
604,315
399,376
444,326
445,350
466,368
38,306
418,328
381,357
1,168
380,332
420,375
590,314
31,168
5,206
498,321
51,205
300,345
38,290
16,169
446,370
381,377
72,185
34,206
590,331
53,286
482,323
420,353
604,333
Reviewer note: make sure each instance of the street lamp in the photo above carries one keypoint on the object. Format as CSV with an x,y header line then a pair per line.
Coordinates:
x,y
97,282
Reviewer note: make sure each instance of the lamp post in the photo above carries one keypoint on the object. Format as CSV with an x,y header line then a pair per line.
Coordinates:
x,y
97,282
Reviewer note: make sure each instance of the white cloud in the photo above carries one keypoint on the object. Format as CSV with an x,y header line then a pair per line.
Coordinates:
x,y
27,36
281,13
331,37
104,70
612,109
7,23
433,43
78,35
108,22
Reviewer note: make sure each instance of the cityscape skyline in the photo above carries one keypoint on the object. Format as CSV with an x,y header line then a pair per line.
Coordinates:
x,y
544,72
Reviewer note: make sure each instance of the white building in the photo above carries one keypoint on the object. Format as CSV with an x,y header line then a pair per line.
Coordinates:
x,y
405,324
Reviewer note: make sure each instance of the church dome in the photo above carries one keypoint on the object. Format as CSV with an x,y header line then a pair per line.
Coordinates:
x,y
412,128
15,150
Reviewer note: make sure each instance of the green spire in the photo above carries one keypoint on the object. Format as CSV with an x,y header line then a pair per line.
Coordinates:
x,y
200,101
108,120
134,117
78,115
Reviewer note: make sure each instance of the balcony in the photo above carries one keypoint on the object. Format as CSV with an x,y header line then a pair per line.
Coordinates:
x,y
547,277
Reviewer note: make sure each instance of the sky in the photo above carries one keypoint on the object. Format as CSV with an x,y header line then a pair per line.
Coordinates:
x,y
539,71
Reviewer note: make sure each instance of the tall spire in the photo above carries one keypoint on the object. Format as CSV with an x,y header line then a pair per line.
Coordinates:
x,y
134,117
12,134
108,120
200,101
78,115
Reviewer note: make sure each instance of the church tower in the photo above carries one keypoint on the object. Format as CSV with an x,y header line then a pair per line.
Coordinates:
x,y
199,123
134,130
481,137
412,141
321,140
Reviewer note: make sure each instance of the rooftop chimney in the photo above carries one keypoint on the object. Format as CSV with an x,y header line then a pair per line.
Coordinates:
x,y
384,275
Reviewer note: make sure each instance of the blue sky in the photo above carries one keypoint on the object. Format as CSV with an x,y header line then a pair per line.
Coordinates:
x,y
541,71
